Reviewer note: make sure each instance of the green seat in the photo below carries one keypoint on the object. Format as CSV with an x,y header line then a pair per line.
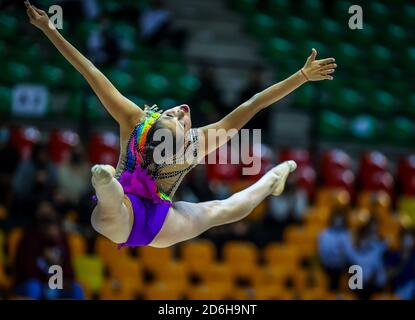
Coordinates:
x,y
5,100
332,125
378,13
50,76
407,60
347,55
167,103
380,56
382,103
75,105
140,102
278,49
305,96
153,85
94,108
73,80
294,28
8,26
347,101
396,37
111,6
312,9
365,127
123,81
185,87
171,70
139,68
329,30
14,73
279,7
127,34
362,37
262,26
245,6
406,16
410,105
400,131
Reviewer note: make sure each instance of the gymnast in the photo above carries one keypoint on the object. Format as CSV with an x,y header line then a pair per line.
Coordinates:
x,y
135,204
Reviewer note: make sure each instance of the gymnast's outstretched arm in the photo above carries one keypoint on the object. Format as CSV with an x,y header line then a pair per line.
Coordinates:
x,y
313,70
124,111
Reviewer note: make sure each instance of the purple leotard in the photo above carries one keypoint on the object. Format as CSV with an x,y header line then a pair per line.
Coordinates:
x,y
150,204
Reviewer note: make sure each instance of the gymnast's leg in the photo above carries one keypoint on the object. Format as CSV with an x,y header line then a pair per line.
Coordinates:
x,y
187,220
112,217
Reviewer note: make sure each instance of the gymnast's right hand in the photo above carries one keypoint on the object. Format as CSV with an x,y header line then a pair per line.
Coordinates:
x,y
37,17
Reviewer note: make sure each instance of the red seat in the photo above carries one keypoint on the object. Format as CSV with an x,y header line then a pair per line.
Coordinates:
x,y
61,142
219,164
300,156
379,181
335,159
372,162
406,170
340,178
258,155
23,138
104,148
305,178
409,186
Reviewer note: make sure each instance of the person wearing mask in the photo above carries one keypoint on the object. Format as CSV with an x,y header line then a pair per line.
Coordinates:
x,y
332,243
401,263
43,245
367,252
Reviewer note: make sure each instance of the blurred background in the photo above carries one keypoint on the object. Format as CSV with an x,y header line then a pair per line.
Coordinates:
x,y
351,201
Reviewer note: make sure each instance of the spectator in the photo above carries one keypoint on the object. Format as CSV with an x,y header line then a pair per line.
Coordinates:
x,y
43,245
35,178
74,175
332,244
9,158
401,263
156,27
103,47
367,252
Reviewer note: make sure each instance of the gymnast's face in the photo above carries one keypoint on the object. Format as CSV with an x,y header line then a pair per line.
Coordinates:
x,y
177,119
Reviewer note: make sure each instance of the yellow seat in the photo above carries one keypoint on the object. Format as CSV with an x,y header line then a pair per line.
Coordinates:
x,y
272,291
313,294
128,270
332,198
406,208
108,251
5,281
242,257
218,274
205,291
174,272
13,239
163,291
154,259
2,246
198,255
115,289
273,274
89,271
77,244
384,296
277,254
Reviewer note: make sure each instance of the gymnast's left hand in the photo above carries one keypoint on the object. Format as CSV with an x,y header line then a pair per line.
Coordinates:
x,y
316,70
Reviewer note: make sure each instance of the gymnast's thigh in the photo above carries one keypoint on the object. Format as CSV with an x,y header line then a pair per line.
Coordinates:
x,y
184,221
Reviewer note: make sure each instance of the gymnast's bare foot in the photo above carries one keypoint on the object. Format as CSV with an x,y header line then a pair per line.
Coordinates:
x,y
281,173
102,174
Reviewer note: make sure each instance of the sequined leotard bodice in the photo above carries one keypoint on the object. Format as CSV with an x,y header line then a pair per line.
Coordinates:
x,y
168,175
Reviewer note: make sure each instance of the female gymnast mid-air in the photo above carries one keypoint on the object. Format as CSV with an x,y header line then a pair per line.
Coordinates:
x,y
134,201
